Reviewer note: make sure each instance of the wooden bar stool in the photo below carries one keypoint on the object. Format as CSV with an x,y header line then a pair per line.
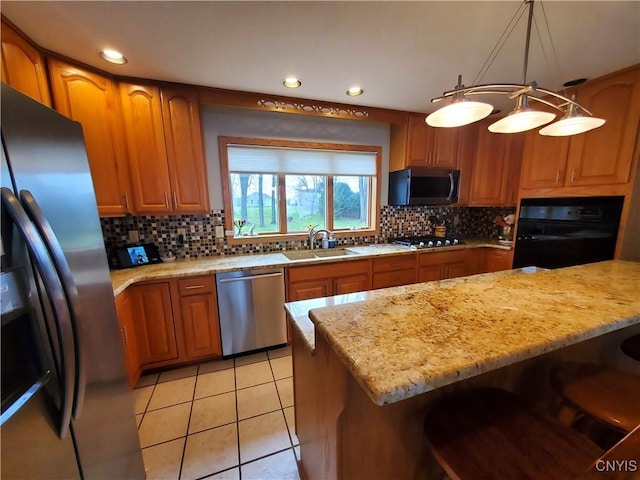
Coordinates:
x,y
490,434
631,347
606,394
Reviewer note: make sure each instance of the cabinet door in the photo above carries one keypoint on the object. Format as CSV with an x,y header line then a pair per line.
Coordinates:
x,y
310,289
491,168
352,284
23,66
417,142
516,145
497,260
604,156
142,113
442,150
183,139
124,308
154,325
544,159
430,273
200,325
456,269
92,100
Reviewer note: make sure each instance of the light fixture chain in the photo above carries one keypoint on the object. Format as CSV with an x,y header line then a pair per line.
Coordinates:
x,y
553,48
499,44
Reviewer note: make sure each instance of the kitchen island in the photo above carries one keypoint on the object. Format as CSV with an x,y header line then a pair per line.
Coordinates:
x,y
367,366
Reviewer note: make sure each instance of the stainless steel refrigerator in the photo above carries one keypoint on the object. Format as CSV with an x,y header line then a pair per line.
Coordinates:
x,y
67,411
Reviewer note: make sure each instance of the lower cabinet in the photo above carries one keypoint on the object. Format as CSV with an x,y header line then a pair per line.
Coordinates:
x,y
325,280
169,323
124,308
497,260
443,265
394,271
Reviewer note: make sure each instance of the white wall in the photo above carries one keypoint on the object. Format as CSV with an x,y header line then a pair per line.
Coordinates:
x,y
236,122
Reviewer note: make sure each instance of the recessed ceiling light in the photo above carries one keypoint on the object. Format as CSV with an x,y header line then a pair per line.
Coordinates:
x,y
355,91
113,56
291,82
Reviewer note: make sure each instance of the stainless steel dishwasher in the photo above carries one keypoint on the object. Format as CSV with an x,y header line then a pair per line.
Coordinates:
x,y
251,309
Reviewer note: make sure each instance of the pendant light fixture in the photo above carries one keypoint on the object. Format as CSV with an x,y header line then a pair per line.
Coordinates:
x,y
461,111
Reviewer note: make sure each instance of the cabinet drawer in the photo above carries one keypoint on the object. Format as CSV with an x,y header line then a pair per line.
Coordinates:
x,y
338,269
196,285
397,262
443,257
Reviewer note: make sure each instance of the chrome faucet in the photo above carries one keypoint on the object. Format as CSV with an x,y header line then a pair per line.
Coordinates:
x,y
313,233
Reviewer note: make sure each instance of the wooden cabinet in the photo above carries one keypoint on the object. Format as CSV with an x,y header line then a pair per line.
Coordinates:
x,y
174,321
496,260
393,271
92,100
315,281
603,156
154,325
429,146
23,66
166,155
124,309
443,265
197,322
495,168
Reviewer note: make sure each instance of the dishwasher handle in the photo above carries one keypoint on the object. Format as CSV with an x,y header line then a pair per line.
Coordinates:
x,y
252,277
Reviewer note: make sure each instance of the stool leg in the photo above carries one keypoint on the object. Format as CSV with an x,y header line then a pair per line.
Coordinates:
x,y
567,413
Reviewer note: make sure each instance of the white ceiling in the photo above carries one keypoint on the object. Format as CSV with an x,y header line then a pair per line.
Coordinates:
x,y
401,53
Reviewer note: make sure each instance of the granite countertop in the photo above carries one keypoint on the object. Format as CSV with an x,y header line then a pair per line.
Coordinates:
x,y
121,279
401,342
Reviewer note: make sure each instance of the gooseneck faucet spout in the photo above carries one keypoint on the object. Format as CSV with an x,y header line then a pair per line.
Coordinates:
x,y
313,233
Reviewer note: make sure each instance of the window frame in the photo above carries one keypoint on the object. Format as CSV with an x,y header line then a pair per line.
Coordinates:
x,y
374,192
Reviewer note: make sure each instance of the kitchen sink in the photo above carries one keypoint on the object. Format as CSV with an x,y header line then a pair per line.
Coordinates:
x,y
304,254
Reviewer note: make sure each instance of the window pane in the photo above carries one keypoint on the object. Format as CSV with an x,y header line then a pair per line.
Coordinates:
x,y
255,199
305,202
350,202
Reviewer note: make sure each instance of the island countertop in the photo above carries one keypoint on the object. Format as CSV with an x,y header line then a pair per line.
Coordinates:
x,y
399,345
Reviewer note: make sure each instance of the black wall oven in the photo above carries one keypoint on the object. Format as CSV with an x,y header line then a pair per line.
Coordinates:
x,y
560,232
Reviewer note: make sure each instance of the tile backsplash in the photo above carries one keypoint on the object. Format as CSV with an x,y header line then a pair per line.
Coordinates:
x,y
200,241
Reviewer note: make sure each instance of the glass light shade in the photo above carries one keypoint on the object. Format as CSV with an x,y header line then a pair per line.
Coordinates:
x,y
521,121
572,125
459,113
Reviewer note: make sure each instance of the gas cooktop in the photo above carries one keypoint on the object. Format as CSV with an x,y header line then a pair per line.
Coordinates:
x,y
427,241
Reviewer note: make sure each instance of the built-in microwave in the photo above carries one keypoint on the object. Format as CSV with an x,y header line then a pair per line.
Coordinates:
x,y
423,186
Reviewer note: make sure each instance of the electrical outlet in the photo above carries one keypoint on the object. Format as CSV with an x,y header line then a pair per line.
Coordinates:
x,y
182,231
134,237
219,231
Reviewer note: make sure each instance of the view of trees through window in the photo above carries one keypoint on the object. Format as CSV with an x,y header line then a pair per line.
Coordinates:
x,y
255,199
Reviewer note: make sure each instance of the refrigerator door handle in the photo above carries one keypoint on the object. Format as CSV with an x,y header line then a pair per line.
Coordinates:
x,y
57,301
68,284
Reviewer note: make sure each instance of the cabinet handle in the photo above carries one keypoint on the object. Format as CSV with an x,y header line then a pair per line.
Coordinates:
x,y
557,176
175,200
166,200
193,287
126,201
573,174
125,338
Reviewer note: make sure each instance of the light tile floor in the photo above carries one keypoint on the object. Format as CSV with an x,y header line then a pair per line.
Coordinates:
x,y
227,419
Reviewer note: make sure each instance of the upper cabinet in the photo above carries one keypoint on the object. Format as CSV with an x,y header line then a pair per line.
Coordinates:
x,y
429,146
603,156
92,100
164,141
496,167
23,66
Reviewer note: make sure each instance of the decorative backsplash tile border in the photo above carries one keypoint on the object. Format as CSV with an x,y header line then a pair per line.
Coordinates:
x,y
200,241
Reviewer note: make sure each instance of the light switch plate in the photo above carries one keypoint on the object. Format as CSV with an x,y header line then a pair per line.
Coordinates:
x,y
133,236
219,231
